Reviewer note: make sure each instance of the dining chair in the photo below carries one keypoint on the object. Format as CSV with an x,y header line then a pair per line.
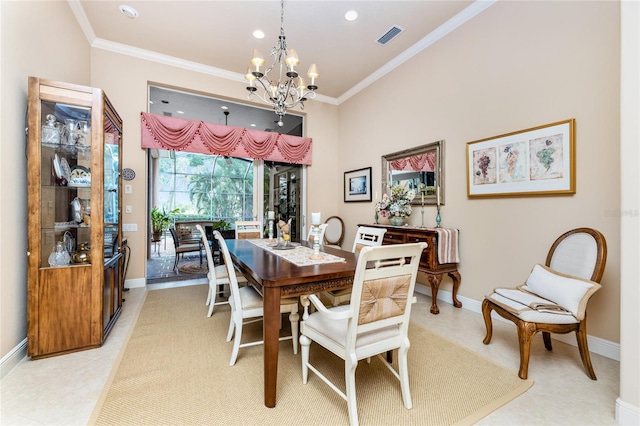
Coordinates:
x,y
248,229
375,321
182,248
311,237
334,234
365,237
554,297
218,276
247,306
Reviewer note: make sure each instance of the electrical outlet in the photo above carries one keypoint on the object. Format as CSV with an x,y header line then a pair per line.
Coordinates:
x,y
128,209
129,227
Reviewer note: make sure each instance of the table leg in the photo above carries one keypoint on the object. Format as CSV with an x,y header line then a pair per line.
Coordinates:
x,y
434,280
271,334
455,276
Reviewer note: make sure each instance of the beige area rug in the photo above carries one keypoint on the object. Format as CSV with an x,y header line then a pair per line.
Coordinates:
x,y
194,268
175,371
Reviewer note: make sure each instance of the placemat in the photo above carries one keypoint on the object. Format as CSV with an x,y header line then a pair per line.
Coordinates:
x,y
299,255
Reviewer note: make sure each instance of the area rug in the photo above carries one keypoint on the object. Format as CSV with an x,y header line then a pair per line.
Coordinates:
x,y
175,370
194,268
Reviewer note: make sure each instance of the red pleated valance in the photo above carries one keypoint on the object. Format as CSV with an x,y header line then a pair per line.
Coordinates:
x,y
170,133
419,163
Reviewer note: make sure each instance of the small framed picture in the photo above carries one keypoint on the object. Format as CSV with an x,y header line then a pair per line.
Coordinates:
x,y
536,161
357,185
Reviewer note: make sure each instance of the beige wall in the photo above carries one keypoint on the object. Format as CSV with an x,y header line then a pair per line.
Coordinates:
x,y
40,39
514,66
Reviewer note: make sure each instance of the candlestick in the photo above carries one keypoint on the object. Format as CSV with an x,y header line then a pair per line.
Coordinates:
x,y
271,228
438,219
316,240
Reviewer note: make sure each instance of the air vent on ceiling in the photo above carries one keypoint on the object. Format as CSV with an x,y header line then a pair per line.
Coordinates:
x,y
389,35
167,114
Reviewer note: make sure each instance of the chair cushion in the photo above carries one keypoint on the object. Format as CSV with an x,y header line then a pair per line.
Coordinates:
x,y
567,291
336,330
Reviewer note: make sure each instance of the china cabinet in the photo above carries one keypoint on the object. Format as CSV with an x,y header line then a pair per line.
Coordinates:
x,y
75,261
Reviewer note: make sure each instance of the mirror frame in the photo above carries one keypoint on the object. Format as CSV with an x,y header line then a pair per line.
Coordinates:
x,y
438,146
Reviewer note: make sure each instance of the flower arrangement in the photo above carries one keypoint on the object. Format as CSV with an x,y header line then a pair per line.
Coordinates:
x,y
398,204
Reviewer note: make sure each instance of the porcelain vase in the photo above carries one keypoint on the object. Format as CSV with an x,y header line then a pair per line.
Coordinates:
x,y
397,221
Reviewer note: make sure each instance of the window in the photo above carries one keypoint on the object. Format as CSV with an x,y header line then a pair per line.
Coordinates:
x,y
206,186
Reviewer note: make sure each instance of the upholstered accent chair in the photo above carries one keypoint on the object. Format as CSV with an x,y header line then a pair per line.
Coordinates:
x,y
375,321
554,297
247,306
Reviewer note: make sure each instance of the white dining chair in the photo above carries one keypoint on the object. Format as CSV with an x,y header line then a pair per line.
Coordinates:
x,y
311,237
376,320
247,306
218,276
248,229
365,237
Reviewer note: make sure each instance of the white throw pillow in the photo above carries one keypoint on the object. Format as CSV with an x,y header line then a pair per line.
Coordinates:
x,y
569,292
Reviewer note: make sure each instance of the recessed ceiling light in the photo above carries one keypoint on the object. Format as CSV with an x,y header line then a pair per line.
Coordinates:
x,y
224,107
258,34
180,112
252,125
151,102
351,15
128,11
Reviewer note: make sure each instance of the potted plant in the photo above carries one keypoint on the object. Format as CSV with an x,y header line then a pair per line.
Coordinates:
x,y
160,221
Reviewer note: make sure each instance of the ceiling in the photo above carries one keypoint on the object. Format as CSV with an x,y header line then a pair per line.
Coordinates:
x,y
215,37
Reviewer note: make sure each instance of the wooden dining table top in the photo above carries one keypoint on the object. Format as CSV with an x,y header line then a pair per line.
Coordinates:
x,y
266,269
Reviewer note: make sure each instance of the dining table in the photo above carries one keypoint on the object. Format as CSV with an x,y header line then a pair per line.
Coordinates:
x,y
275,277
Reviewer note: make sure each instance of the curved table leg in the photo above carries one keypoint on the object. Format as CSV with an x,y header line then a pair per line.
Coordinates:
x,y
455,276
434,280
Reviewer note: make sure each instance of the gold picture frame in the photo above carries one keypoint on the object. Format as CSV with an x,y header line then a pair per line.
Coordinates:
x,y
535,161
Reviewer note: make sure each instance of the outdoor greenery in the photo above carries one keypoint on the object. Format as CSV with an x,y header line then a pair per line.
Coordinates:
x,y
207,187
160,219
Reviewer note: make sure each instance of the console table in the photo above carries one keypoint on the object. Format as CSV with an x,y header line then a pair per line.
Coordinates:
x,y
429,261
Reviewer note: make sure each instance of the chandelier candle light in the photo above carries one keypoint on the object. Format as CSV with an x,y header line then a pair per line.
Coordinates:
x,y
282,87
315,224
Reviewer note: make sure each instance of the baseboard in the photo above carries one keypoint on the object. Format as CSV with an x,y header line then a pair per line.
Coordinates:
x,y
12,359
597,345
627,414
135,283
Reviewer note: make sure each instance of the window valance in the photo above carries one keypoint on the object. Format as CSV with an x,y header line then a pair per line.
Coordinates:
x,y
171,133
419,163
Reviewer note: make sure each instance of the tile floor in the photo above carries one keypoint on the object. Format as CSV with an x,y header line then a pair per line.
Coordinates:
x,y
63,390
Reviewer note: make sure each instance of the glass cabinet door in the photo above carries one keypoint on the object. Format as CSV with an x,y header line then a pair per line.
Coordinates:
x,y
65,178
112,195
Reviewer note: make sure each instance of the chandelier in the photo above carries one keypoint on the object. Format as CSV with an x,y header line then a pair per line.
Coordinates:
x,y
281,85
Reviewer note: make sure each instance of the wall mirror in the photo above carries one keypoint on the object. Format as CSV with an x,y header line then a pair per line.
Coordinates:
x,y
420,165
